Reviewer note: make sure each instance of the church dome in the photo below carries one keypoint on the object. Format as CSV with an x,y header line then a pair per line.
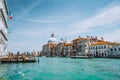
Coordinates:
x,y
61,41
52,39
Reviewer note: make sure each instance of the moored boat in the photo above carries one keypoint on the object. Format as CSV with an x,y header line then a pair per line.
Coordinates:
x,y
82,57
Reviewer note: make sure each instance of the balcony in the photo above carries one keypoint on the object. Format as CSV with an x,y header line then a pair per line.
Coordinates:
x,y
4,34
3,16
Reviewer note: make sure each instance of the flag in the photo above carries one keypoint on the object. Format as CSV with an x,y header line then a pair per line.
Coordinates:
x,y
10,15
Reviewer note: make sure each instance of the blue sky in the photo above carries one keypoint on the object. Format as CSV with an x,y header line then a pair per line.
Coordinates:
x,y
34,21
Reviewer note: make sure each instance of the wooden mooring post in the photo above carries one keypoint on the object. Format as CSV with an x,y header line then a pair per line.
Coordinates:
x,y
18,56
38,56
9,57
34,54
23,56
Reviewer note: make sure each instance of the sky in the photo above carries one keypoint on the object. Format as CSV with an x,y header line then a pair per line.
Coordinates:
x,y
34,20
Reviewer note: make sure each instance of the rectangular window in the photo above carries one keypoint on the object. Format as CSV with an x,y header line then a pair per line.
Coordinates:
x,y
99,47
104,47
111,49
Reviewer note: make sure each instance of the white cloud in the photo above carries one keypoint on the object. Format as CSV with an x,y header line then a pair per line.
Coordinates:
x,y
108,16
26,11
105,17
102,19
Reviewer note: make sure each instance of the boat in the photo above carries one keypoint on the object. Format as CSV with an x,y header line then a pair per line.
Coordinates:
x,y
82,57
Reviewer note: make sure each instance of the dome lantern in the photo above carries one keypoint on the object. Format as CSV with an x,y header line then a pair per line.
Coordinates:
x,y
52,39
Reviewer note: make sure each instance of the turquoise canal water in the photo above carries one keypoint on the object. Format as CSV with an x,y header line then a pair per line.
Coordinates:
x,y
63,69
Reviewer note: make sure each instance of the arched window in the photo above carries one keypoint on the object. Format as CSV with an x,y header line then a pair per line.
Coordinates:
x,y
102,54
105,54
115,49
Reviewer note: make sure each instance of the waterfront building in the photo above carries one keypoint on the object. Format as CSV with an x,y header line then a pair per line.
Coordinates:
x,y
63,48
59,48
99,49
104,49
114,50
3,26
67,50
49,48
80,45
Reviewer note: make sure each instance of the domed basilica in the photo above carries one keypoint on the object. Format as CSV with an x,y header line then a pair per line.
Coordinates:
x,y
52,39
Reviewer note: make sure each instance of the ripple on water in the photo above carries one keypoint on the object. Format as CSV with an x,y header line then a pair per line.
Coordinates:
x,y
63,69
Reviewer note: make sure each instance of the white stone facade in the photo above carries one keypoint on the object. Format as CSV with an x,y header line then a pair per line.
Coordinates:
x,y
3,26
82,47
49,48
114,50
59,48
99,50
67,50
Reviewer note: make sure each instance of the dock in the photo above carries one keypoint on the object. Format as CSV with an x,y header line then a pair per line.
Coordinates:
x,y
19,58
